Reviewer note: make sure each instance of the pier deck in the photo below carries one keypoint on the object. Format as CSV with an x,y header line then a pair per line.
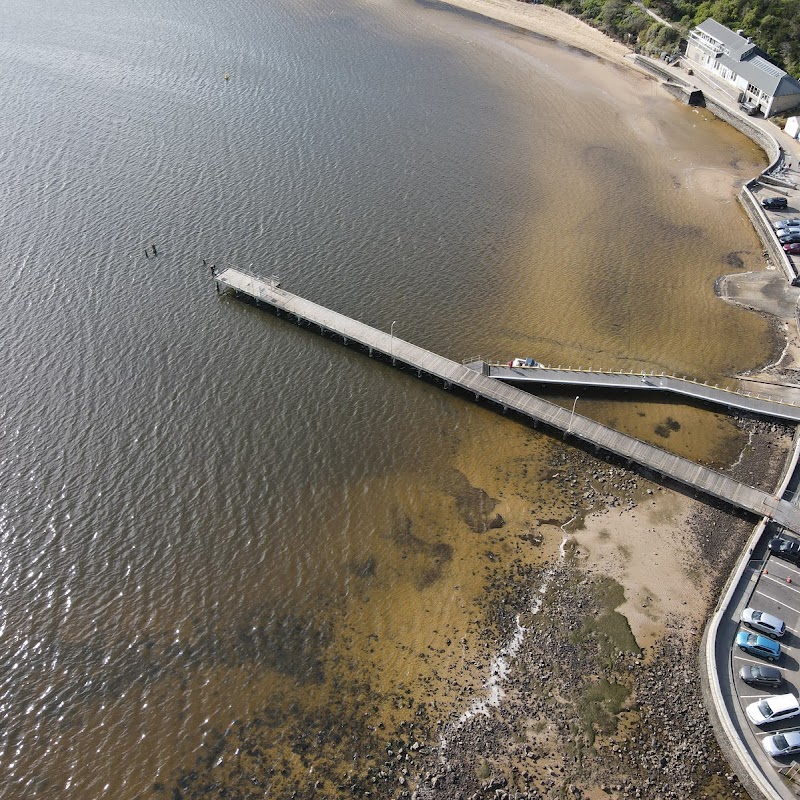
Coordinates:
x,y
643,382
482,387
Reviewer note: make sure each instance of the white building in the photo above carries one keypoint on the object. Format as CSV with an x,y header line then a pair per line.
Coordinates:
x,y
737,62
792,127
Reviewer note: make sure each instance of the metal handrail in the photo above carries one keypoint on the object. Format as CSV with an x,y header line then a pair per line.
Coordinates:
x,y
645,374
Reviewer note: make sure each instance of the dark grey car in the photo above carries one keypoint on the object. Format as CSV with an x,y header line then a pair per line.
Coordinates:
x,y
785,548
760,675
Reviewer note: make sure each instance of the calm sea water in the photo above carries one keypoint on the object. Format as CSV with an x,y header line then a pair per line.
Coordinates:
x,y
210,517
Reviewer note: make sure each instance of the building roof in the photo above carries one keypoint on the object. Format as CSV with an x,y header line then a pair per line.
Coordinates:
x,y
736,46
743,57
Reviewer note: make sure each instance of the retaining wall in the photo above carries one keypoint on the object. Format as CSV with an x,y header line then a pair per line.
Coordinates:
x,y
764,140
684,91
654,68
752,778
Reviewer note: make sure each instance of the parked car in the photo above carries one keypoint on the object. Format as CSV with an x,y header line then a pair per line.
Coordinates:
x,y
782,744
751,109
774,203
785,548
792,222
776,708
789,238
792,249
763,622
757,645
761,675
785,230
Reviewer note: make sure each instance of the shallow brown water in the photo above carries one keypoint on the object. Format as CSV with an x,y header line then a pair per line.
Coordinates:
x,y
217,527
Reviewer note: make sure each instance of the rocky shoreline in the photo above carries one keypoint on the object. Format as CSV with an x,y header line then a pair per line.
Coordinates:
x,y
587,714
580,710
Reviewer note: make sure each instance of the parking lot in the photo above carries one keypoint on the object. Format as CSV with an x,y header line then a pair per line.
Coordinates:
x,y
777,592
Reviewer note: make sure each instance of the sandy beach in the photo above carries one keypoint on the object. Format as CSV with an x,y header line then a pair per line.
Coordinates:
x,y
551,23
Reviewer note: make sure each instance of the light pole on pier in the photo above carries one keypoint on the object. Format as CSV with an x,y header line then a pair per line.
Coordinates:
x,y
572,415
391,342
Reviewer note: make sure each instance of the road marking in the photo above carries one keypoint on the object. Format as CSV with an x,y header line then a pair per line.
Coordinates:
x,y
782,581
783,563
747,660
775,600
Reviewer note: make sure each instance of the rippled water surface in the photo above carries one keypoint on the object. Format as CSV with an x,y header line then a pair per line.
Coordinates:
x,y
211,519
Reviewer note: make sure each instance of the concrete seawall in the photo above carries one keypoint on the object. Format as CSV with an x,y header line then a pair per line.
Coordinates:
x,y
769,144
752,208
766,233
679,86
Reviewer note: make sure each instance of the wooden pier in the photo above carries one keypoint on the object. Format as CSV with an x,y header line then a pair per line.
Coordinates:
x,y
508,398
641,382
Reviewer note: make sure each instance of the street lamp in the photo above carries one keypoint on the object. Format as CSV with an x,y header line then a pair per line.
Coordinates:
x,y
391,342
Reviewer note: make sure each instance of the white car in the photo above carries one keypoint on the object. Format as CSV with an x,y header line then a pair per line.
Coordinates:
x,y
763,623
782,744
793,222
776,708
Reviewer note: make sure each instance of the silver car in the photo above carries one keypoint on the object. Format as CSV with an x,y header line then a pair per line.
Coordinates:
x,y
763,623
776,708
782,744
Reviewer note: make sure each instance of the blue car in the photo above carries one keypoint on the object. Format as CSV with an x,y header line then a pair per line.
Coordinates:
x,y
757,645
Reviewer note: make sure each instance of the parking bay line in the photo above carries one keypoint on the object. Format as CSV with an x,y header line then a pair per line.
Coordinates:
x,y
781,582
749,660
788,564
775,600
